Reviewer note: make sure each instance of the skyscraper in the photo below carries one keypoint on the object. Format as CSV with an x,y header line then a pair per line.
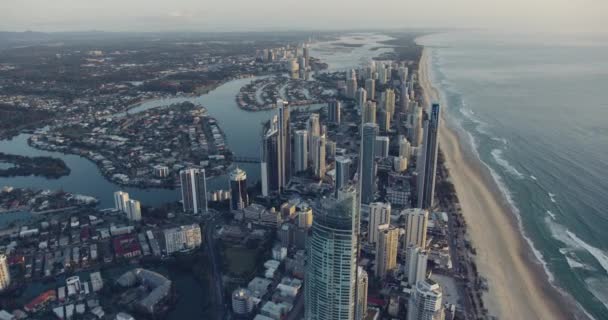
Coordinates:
x,y
405,149
362,284
367,172
369,112
301,150
415,130
121,200
426,302
333,111
427,163
239,198
270,164
134,210
381,147
284,129
403,74
386,250
404,98
388,99
306,54
416,260
330,147
314,130
379,214
5,275
384,120
351,85
342,172
194,190
331,275
415,229
318,155
370,87
382,75
361,97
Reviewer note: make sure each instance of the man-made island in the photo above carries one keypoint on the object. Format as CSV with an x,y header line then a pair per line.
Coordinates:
x,y
262,94
146,149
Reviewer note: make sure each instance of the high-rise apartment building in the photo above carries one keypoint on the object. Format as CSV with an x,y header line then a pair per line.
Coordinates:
x,y
361,97
300,150
416,225
427,160
185,237
284,129
343,165
313,127
121,200
426,302
270,164
416,261
194,190
318,156
134,210
351,86
382,146
369,112
386,250
405,149
331,274
333,111
362,284
379,214
5,275
370,87
367,170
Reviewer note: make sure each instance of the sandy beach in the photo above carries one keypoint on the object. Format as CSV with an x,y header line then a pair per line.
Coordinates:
x,y
519,286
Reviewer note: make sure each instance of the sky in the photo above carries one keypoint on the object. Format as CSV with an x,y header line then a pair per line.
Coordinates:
x,y
272,15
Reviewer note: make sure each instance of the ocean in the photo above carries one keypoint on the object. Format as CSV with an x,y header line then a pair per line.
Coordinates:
x,y
535,108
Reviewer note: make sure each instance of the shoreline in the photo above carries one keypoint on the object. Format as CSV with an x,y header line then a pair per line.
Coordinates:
x,y
519,285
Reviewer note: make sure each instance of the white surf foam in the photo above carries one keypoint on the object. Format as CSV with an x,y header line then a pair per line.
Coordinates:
x,y
503,140
496,177
551,214
573,263
499,182
498,157
552,197
599,288
598,254
574,243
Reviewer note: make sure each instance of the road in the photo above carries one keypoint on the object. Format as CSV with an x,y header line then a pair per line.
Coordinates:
x,y
216,270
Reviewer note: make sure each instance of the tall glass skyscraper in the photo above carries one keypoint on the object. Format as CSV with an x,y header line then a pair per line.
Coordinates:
x,y
300,151
367,172
284,128
427,161
331,272
270,164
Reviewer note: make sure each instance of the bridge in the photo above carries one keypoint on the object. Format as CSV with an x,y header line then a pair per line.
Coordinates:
x,y
238,159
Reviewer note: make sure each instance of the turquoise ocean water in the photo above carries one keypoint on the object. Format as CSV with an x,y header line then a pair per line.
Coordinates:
x,y
535,108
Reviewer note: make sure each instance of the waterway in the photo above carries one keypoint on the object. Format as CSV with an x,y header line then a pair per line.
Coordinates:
x,y
242,129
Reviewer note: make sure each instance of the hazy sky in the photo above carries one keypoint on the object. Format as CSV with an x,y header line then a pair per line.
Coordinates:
x,y
240,15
